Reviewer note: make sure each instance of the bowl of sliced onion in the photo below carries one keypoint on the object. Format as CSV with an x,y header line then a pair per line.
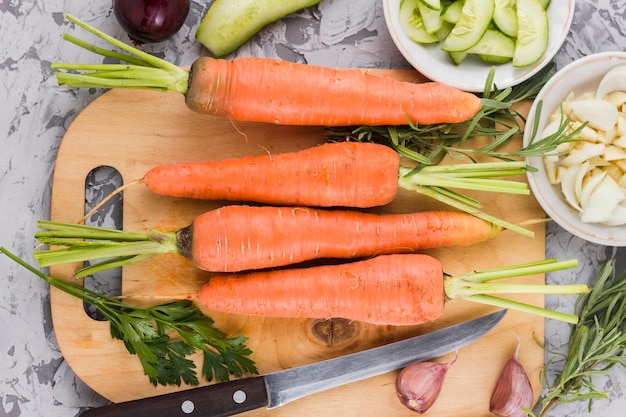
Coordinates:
x,y
581,185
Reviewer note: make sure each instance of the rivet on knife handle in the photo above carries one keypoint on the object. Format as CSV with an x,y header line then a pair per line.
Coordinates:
x,y
218,400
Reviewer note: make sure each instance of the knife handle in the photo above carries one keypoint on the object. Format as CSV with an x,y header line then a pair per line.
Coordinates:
x,y
217,400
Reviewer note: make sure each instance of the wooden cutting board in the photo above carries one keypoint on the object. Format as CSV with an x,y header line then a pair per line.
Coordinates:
x,y
133,131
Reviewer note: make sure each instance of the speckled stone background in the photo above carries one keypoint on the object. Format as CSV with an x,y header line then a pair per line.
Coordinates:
x,y
35,112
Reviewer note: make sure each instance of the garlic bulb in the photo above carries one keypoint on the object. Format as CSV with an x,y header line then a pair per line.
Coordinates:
x,y
513,391
419,384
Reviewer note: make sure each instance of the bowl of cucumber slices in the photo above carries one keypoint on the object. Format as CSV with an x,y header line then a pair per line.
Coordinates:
x,y
457,42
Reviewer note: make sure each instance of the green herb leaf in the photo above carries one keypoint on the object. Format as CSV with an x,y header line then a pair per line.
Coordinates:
x,y
497,120
146,332
596,345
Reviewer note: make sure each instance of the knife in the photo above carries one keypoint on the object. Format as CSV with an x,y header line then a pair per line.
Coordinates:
x,y
278,388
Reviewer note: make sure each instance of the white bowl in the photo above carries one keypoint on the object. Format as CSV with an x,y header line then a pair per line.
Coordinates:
x,y
580,76
471,74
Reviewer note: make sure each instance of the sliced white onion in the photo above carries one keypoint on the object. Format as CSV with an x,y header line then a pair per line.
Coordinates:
x,y
568,186
616,98
602,201
583,153
618,218
589,185
614,80
599,113
614,153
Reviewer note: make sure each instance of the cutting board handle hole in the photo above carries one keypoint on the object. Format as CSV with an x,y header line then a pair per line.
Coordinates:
x,y
99,183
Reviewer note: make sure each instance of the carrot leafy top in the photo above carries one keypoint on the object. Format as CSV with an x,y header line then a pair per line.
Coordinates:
x,y
139,70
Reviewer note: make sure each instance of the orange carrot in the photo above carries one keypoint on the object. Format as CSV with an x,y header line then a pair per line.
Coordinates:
x,y
387,289
236,238
274,91
347,174
281,92
391,289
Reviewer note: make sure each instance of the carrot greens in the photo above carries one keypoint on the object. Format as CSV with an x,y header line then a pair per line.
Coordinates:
x,y
409,289
146,331
142,70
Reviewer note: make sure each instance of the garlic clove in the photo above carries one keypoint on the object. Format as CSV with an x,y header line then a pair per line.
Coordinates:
x,y
513,391
419,384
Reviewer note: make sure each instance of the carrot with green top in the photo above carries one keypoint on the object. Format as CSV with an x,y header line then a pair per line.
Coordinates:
x,y
236,238
343,174
387,290
275,91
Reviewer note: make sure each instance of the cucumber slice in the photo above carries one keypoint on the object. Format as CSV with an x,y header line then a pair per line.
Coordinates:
x,y
494,59
532,32
446,28
230,23
432,4
545,3
475,18
457,57
452,12
413,24
505,17
431,18
494,43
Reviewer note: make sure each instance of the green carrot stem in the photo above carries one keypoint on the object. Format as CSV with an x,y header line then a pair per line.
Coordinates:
x,y
496,186
88,234
104,52
451,194
116,247
539,267
109,264
150,59
526,308
102,250
490,174
474,287
433,193
87,81
481,167
156,73
475,176
121,234
462,289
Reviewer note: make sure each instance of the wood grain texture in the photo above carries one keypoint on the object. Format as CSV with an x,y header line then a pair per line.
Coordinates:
x,y
133,131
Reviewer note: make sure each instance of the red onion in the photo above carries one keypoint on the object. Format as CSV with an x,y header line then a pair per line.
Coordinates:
x,y
148,21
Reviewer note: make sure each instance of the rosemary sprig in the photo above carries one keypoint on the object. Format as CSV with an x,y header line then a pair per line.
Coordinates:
x,y
596,343
497,120
146,333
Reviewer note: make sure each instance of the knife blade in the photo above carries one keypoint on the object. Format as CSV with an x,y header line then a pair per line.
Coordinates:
x,y
278,388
